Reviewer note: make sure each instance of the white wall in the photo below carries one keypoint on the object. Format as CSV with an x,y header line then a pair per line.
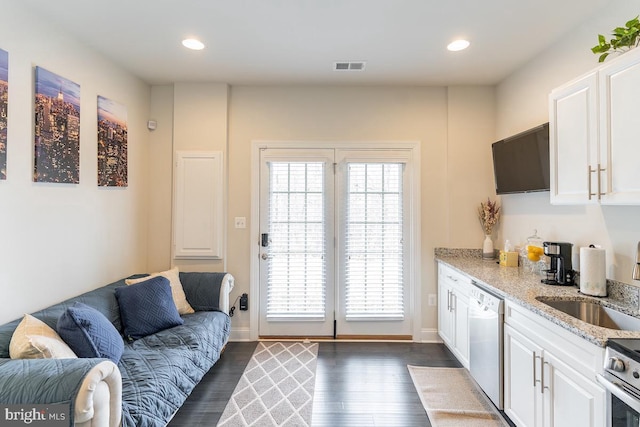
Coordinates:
x,y
200,124
160,178
444,120
471,130
455,126
521,104
80,237
190,117
58,240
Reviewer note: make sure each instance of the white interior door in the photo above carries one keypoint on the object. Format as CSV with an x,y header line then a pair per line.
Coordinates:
x,y
296,253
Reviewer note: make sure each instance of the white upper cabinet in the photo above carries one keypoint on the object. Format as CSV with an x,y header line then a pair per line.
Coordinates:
x,y
593,136
573,140
619,84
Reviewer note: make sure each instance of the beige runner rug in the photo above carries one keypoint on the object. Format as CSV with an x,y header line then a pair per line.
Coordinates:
x,y
452,399
276,388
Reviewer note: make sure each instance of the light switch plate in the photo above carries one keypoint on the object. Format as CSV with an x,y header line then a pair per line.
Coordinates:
x,y
241,222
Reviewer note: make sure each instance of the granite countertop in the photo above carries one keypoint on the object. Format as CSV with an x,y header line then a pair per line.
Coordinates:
x,y
520,285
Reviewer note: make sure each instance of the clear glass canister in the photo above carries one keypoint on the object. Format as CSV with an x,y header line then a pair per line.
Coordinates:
x,y
535,252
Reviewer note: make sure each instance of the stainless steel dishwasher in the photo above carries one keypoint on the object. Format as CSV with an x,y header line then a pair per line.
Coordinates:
x,y
486,316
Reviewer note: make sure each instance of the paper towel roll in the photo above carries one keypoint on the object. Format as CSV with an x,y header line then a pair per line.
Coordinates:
x,y
593,272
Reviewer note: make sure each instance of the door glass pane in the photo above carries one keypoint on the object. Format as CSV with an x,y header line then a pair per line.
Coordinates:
x,y
296,271
374,241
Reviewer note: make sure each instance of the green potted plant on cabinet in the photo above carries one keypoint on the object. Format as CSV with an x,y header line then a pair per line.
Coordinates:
x,y
624,38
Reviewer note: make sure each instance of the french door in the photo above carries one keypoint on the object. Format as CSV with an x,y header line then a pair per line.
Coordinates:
x,y
296,239
333,243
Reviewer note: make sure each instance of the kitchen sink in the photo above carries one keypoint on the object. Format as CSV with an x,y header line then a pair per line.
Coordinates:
x,y
594,313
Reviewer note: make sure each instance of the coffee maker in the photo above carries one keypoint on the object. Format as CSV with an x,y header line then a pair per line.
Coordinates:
x,y
560,271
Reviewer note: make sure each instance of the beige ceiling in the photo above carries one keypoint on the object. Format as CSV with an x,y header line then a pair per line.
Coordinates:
x,y
298,41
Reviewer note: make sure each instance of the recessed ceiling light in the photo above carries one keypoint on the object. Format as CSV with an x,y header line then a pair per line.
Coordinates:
x,y
457,45
193,44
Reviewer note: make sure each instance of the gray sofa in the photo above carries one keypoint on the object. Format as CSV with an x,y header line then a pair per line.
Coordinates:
x,y
154,376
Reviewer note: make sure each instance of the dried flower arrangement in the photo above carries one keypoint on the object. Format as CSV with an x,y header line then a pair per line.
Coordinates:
x,y
489,215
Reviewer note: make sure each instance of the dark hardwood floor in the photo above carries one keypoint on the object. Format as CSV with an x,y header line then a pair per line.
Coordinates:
x,y
357,384
368,384
207,401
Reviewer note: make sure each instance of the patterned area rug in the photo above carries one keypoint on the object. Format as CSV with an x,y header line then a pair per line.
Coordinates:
x,y
452,399
276,388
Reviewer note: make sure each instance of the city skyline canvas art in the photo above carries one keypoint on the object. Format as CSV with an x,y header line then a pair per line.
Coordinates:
x,y
112,143
4,92
57,129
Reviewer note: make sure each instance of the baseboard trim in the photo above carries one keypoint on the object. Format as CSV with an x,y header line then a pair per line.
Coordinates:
x,y
240,335
375,337
430,336
244,335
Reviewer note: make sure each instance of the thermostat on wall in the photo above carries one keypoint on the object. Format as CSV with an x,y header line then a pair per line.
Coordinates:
x,y
152,125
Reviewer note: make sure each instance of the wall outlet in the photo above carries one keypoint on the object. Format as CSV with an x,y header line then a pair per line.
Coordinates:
x,y
241,222
432,299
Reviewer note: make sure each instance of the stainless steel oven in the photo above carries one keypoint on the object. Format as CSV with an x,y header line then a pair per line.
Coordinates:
x,y
621,379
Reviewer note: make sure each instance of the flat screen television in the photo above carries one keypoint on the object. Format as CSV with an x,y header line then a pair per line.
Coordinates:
x,y
521,162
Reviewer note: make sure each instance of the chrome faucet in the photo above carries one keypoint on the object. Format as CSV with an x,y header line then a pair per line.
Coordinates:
x,y
636,268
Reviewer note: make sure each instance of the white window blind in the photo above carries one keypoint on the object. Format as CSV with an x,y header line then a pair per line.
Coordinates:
x,y
374,241
296,272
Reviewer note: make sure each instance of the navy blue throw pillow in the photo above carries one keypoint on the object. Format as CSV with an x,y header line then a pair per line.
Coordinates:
x,y
147,307
89,333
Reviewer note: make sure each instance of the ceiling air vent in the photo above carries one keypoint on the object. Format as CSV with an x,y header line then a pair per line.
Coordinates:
x,y
349,66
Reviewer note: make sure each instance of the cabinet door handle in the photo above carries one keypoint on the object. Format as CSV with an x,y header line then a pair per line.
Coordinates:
x,y
600,170
589,172
448,300
542,376
535,356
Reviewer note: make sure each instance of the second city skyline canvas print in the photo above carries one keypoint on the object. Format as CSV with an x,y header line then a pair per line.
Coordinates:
x,y
112,143
57,129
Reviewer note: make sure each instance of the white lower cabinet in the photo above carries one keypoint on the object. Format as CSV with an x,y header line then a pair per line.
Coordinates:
x,y
573,399
461,310
453,312
550,376
522,397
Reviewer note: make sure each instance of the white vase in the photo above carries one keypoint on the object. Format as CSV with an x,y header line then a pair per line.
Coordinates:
x,y
487,247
